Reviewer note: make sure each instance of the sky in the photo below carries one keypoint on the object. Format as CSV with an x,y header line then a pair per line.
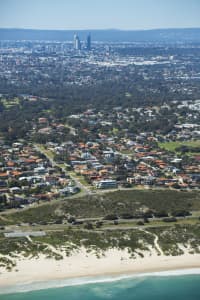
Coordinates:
x,y
99,14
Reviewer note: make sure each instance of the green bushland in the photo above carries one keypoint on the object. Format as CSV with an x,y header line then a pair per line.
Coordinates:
x,y
131,202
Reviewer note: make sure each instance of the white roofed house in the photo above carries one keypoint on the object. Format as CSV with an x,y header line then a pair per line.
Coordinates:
x,y
106,184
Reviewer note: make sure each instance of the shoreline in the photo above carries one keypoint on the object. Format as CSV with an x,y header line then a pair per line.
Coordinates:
x,y
52,284
84,268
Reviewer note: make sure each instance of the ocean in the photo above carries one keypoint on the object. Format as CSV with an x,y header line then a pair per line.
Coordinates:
x,y
162,286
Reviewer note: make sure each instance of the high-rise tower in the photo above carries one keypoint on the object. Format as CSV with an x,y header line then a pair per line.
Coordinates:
x,y
77,42
88,42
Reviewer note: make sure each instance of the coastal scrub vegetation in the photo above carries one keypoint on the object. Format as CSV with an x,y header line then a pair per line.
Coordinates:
x,y
172,240
122,204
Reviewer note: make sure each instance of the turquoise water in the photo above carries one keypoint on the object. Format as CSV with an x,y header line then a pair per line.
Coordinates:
x,y
185,287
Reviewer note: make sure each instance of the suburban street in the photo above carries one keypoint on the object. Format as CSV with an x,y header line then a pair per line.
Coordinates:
x,y
85,190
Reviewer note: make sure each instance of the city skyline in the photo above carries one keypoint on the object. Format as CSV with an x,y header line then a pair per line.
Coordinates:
x,y
88,14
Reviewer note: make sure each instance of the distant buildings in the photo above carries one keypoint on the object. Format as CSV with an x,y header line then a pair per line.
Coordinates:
x,y
88,42
77,42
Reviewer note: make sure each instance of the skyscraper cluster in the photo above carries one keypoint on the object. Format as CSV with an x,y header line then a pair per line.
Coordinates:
x,y
77,43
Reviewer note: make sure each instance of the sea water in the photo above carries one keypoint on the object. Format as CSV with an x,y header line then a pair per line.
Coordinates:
x,y
144,287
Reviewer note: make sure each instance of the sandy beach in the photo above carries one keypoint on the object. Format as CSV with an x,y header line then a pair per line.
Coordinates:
x,y
83,264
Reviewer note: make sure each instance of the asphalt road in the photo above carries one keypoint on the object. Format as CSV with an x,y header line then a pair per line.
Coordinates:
x,y
85,189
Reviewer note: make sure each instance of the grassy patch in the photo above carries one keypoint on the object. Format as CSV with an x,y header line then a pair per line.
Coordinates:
x,y
48,153
171,146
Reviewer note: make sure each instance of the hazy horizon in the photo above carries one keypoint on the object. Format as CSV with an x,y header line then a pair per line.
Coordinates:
x,y
99,29
99,15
